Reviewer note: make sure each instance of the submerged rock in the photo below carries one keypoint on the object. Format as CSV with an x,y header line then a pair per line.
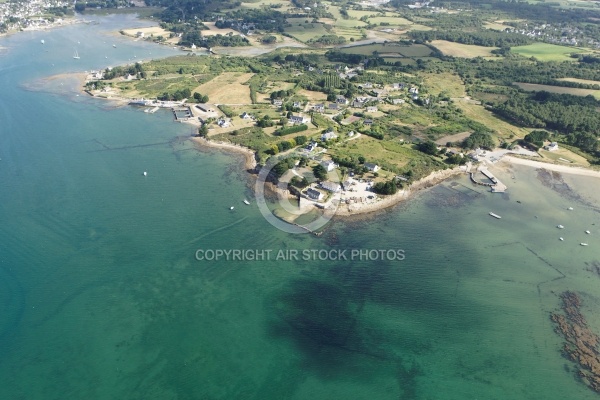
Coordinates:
x,y
581,344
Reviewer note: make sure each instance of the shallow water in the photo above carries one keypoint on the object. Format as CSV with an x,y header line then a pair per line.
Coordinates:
x,y
101,295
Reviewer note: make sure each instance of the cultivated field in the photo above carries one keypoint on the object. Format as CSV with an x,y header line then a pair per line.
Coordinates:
x,y
392,20
227,88
586,81
532,87
546,51
462,50
303,31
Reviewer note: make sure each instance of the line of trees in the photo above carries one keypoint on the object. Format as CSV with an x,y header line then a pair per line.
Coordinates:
x,y
487,38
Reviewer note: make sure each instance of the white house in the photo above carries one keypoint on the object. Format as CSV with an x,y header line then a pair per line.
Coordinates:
x,y
341,100
331,186
277,102
245,115
372,109
311,146
319,108
329,165
223,123
552,146
372,167
298,119
329,135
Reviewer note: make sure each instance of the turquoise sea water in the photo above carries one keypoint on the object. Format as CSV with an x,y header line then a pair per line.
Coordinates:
x,y
101,296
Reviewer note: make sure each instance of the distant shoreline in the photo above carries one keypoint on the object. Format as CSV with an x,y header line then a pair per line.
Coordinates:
x,y
66,21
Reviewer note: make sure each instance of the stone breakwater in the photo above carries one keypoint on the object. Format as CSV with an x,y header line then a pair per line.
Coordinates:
x,y
581,344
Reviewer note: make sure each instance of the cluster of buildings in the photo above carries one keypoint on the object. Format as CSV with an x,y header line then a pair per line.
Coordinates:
x,y
368,101
28,14
562,35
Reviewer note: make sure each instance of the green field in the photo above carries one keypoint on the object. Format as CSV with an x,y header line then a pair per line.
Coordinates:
x,y
415,50
532,87
392,20
546,51
358,14
391,155
303,31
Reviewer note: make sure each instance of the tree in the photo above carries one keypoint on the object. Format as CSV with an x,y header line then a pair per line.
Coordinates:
x,y
300,140
537,137
203,131
585,141
428,147
478,139
320,172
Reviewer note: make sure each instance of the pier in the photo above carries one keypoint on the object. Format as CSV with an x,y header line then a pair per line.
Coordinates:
x,y
495,186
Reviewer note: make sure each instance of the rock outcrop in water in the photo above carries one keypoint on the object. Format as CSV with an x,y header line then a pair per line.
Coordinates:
x,y
581,343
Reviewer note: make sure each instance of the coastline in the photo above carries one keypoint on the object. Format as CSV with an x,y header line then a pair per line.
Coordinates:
x,y
435,178
507,159
65,22
249,155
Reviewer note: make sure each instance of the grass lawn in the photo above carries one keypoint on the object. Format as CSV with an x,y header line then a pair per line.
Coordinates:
x,y
532,87
227,88
444,83
389,154
564,154
478,113
462,50
153,87
546,51
312,96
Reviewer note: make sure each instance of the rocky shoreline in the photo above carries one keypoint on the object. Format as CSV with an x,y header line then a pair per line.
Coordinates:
x,y
581,344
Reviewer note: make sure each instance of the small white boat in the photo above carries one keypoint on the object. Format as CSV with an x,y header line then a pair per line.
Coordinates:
x,y
570,208
495,215
246,202
583,244
145,173
560,227
588,232
561,239
114,45
42,41
231,208
76,55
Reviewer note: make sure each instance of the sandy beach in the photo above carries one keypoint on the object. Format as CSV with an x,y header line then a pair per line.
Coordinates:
x,y
249,157
551,167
